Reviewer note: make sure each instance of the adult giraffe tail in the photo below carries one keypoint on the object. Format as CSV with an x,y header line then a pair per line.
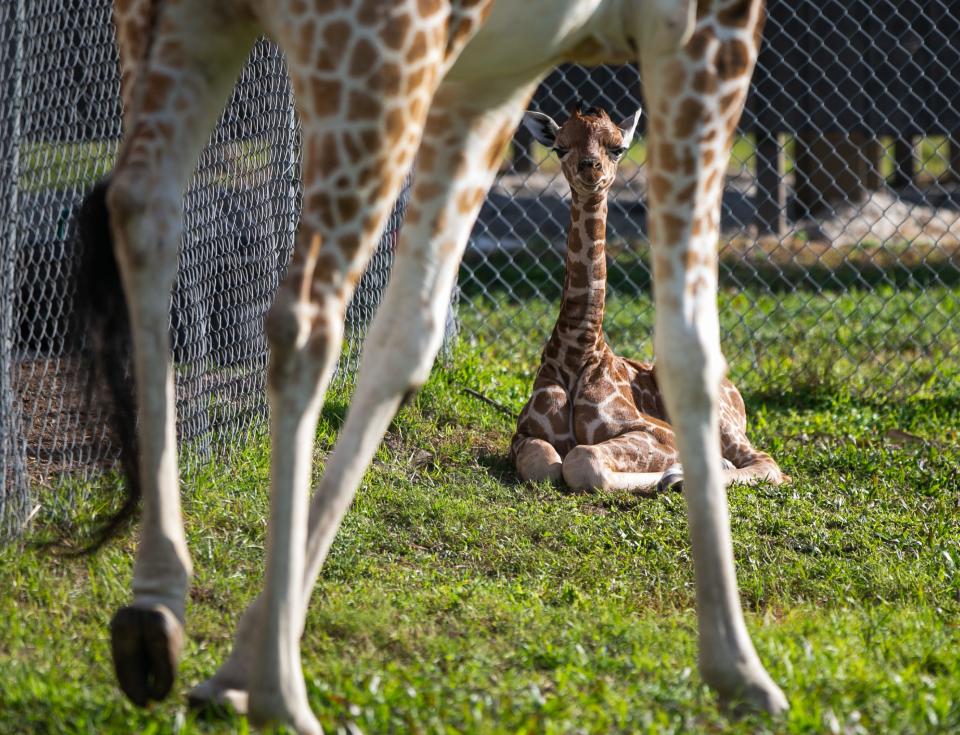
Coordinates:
x,y
101,317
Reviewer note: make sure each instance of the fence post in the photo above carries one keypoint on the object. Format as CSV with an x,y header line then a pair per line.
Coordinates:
x,y
14,495
771,199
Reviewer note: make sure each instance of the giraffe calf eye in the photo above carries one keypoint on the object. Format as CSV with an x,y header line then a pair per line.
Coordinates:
x,y
617,153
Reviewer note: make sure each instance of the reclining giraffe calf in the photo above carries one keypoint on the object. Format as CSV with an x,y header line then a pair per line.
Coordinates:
x,y
378,82
595,418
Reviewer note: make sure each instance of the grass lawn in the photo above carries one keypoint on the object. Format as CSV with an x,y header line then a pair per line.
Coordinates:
x,y
457,600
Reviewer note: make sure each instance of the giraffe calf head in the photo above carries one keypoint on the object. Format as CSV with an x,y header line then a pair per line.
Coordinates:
x,y
589,145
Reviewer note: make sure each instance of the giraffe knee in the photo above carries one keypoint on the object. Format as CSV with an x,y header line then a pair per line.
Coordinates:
x,y
584,469
145,219
304,338
538,461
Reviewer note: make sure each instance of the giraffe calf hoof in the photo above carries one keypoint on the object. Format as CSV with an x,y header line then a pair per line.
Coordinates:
x,y
672,479
146,643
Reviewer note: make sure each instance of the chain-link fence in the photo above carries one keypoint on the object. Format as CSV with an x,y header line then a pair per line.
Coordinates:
x,y
840,220
60,124
841,217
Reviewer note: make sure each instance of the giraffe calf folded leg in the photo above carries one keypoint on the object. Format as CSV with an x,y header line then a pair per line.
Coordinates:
x,y
537,460
631,461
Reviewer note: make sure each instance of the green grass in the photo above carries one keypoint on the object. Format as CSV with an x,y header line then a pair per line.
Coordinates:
x,y
457,600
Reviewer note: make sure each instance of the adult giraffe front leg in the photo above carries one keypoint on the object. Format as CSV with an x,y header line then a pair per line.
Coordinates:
x,y
696,72
467,133
176,97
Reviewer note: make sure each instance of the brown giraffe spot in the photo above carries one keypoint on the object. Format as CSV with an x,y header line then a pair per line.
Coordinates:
x,y
736,14
729,103
689,116
675,74
666,157
416,111
692,259
704,82
414,80
350,245
363,58
708,157
427,157
578,273
542,402
326,96
336,36
307,38
395,123
458,34
427,8
372,11
662,266
673,228
427,190
347,207
369,139
594,227
711,181
396,31
697,45
658,126
660,187
388,80
469,200
498,148
559,423
733,59
574,243
362,106
418,48
327,265
685,195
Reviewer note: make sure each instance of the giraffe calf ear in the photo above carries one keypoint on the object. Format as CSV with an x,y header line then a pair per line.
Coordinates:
x,y
542,127
629,127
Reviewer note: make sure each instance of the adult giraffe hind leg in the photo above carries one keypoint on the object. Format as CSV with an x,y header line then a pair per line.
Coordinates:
x,y
695,84
177,96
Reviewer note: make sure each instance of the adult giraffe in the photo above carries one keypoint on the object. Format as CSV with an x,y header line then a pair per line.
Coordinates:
x,y
378,82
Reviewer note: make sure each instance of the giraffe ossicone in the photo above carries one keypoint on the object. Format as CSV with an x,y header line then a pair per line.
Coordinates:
x,y
378,82
595,419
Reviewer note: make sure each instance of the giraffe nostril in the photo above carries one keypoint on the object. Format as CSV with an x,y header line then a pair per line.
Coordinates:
x,y
589,164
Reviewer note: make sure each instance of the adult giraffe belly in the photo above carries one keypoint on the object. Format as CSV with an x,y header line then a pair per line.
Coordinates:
x,y
509,45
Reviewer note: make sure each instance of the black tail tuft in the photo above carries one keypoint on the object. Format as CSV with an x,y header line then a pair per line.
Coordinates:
x,y
102,321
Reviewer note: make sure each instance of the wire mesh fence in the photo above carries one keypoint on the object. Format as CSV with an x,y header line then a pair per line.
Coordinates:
x,y
841,207
842,210
60,126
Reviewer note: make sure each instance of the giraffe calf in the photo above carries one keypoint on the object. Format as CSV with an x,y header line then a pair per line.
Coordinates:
x,y
596,419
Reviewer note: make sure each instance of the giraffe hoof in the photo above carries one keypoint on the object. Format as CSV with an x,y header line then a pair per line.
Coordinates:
x,y
672,479
146,643
212,697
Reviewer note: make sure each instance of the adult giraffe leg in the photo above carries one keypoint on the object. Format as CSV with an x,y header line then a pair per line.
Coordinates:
x,y
466,136
177,97
690,133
